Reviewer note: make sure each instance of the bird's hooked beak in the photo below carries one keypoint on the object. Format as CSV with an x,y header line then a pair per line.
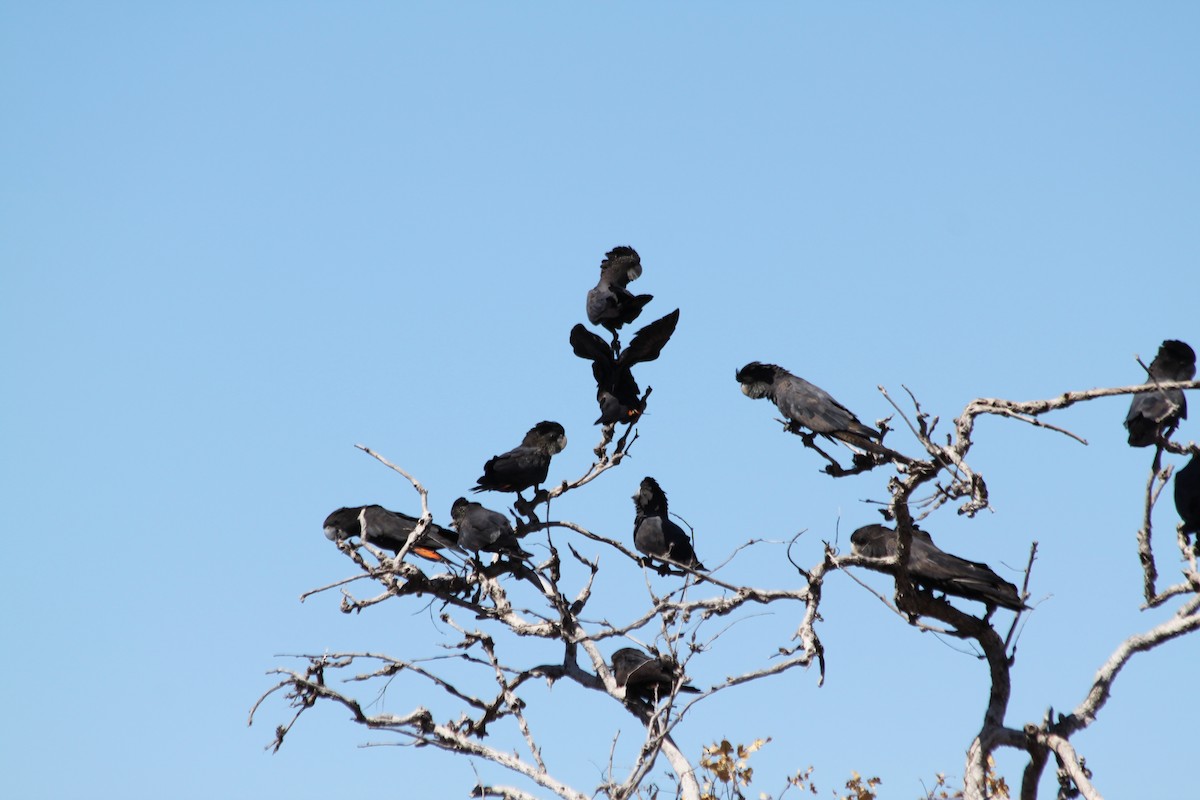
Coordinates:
x,y
755,390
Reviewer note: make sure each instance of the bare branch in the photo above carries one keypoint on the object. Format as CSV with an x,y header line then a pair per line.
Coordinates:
x,y
513,703
1145,550
507,792
415,483
1070,763
1186,620
988,405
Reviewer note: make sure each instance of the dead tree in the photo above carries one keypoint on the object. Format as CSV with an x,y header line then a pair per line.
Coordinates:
x,y
488,618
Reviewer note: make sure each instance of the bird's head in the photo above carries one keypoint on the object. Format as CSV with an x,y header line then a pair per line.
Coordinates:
x,y
1176,360
547,435
650,497
756,379
622,263
342,524
873,541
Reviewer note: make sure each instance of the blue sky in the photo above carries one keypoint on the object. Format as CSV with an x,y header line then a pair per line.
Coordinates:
x,y
237,239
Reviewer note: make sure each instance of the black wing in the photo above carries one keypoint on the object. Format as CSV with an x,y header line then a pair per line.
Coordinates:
x,y
814,408
613,306
659,537
483,529
644,676
647,344
1150,412
616,390
588,345
514,471
940,570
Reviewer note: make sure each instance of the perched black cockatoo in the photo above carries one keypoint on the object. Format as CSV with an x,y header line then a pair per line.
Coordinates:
x,y
1154,413
526,464
809,406
481,529
654,533
610,304
645,677
934,568
388,530
616,389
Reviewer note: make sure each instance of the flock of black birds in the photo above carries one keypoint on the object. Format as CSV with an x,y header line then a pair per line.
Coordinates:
x,y
1153,416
